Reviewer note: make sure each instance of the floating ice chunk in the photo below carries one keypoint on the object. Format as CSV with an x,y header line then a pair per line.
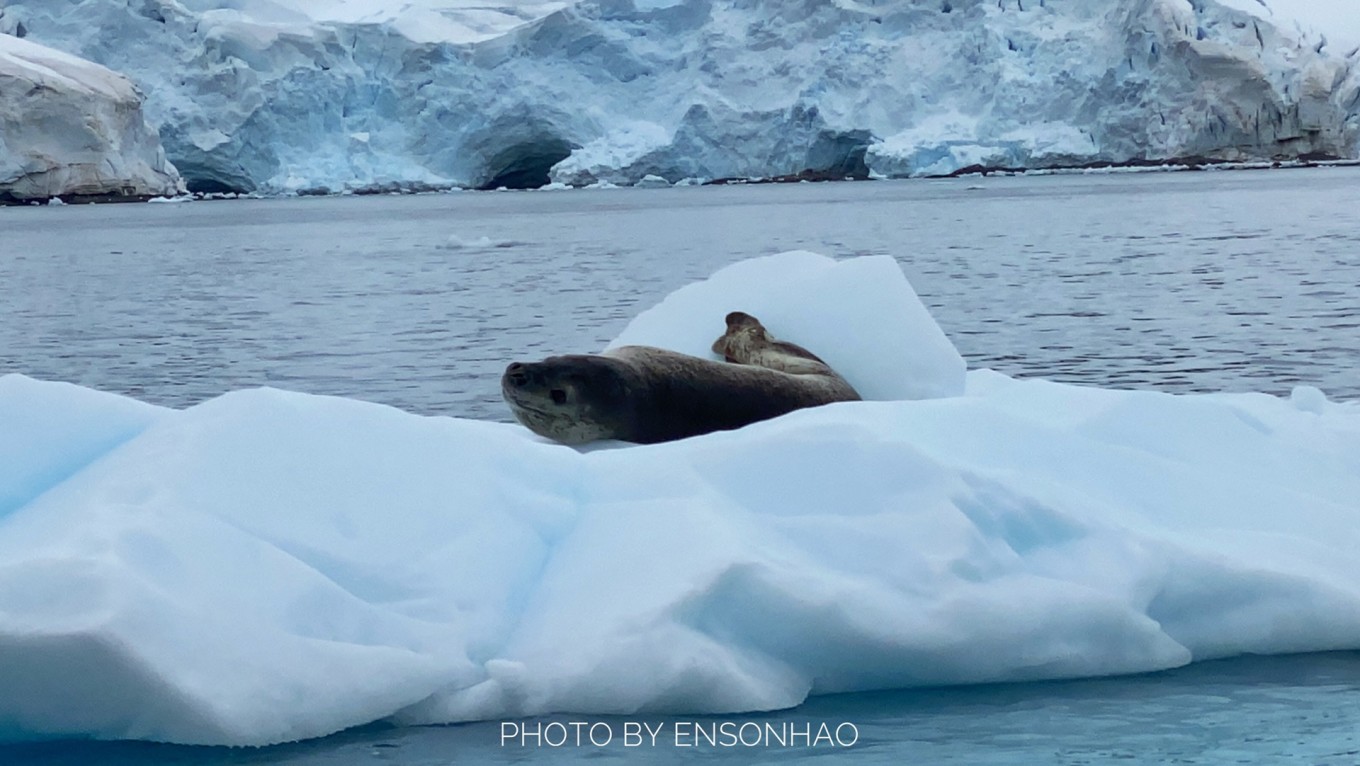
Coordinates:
x,y
483,242
1308,399
650,181
860,315
269,566
49,431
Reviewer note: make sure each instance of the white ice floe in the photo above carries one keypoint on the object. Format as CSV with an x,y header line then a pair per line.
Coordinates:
x,y
883,341
482,242
269,566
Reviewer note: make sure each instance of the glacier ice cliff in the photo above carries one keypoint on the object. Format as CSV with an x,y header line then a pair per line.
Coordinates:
x,y
282,95
71,128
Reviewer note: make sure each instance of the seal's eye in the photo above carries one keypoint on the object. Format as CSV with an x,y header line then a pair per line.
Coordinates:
x,y
558,396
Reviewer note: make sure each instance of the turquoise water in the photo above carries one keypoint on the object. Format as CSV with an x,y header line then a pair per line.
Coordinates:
x,y
1300,709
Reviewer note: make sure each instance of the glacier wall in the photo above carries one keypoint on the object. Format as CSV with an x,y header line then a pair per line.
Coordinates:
x,y
71,128
282,95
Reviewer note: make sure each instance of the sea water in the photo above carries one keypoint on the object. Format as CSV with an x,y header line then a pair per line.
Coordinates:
x,y
1301,709
1227,280
1185,282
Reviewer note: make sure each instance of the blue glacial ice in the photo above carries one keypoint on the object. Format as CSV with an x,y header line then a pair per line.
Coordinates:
x,y
363,95
269,566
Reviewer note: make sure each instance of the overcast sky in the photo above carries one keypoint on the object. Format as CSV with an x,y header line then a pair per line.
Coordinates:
x,y
1338,19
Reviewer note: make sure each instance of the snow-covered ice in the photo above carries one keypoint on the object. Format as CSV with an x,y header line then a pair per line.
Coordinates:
x,y
884,342
72,127
294,95
268,565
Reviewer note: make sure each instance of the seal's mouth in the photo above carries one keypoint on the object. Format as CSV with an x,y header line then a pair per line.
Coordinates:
x,y
519,406
523,403
531,404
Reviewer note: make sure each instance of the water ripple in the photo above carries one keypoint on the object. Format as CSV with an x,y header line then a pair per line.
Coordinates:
x,y
420,301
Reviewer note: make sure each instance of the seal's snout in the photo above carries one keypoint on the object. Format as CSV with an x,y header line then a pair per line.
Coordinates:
x,y
517,375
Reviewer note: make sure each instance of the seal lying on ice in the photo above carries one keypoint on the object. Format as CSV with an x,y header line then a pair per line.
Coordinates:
x,y
647,395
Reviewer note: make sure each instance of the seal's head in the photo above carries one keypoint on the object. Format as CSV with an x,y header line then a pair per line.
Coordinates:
x,y
743,331
648,395
571,399
748,342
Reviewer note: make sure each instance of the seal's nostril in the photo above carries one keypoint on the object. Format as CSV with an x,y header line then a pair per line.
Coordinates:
x,y
515,374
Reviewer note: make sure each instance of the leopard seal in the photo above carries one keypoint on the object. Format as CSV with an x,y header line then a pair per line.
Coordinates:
x,y
648,395
748,342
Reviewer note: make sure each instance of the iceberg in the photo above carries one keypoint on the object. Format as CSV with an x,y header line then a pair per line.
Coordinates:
x,y
884,343
269,566
72,128
283,96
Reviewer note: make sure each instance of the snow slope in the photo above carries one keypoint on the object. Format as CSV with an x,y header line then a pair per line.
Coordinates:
x,y
268,565
71,127
287,95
